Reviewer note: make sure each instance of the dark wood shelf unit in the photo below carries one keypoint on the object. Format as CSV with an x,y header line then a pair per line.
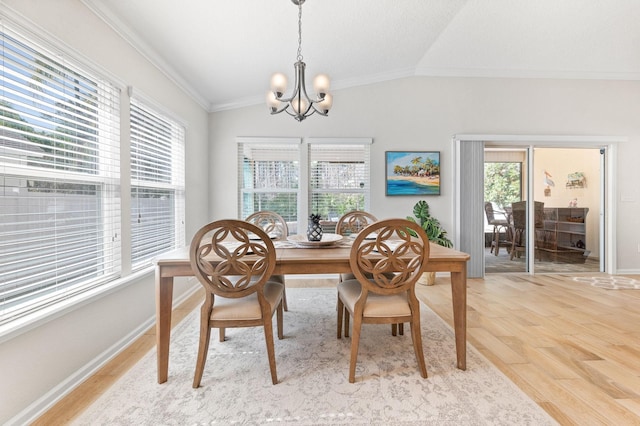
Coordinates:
x,y
563,238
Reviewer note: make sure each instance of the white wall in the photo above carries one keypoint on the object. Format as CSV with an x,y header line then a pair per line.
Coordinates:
x,y
47,357
423,113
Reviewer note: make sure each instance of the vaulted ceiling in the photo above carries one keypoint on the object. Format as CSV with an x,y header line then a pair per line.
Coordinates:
x,y
223,52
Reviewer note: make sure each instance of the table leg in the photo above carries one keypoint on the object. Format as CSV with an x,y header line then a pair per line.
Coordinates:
x,y
164,301
459,299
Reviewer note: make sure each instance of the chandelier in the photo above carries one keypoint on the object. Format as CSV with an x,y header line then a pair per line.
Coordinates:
x,y
299,105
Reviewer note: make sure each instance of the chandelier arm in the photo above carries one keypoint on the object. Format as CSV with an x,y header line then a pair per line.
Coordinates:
x,y
294,115
289,99
278,111
318,111
300,117
304,90
299,79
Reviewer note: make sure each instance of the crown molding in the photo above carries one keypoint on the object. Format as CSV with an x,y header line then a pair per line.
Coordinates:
x,y
336,85
127,34
534,74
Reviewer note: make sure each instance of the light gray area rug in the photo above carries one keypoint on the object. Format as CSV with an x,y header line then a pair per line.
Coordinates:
x,y
313,386
612,282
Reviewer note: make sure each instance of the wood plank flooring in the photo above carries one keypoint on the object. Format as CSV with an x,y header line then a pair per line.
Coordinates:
x,y
573,348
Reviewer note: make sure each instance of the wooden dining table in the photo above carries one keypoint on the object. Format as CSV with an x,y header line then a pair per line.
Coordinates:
x,y
295,260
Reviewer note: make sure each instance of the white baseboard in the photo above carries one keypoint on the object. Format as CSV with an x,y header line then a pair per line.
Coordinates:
x,y
48,400
313,276
628,272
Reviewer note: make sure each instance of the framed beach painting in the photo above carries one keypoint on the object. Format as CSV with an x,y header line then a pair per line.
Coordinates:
x,y
412,172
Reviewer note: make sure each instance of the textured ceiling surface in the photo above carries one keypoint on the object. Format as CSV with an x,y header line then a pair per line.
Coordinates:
x,y
223,52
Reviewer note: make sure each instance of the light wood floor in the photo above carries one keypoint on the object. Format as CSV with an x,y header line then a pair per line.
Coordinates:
x,y
573,348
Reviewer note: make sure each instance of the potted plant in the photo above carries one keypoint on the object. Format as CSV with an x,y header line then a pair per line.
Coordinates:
x,y
434,231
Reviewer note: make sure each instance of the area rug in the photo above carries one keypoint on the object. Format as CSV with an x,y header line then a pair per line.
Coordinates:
x,y
610,282
313,386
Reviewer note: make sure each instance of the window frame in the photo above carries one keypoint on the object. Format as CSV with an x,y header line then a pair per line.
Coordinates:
x,y
141,139
117,232
275,146
71,116
304,190
364,180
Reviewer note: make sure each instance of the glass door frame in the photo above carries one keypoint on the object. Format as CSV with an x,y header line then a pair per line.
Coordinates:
x,y
608,201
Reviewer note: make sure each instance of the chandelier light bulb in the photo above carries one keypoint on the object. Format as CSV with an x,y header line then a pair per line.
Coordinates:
x,y
321,84
299,105
325,104
278,84
272,102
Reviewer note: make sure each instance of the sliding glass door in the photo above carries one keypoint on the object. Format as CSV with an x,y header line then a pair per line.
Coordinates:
x,y
504,179
551,195
567,182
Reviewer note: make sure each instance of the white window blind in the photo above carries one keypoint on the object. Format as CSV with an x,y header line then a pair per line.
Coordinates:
x,y
269,177
157,184
59,177
330,176
339,176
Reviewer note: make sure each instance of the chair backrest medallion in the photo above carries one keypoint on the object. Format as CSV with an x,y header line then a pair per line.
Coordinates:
x,y
245,253
393,261
271,222
354,221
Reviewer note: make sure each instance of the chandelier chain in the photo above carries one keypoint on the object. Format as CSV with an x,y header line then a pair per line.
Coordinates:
x,y
300,31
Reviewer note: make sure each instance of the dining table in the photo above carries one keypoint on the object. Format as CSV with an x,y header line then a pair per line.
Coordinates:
x,y
293,259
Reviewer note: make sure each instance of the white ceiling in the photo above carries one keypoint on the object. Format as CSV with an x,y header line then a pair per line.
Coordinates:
x,y
223,52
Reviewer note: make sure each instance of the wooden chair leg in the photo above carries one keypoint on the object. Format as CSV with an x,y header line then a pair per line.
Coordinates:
x,y
516,236
355,342
284,299
268,337
493,241
203,347
416,336
340,310
397,329
279,314
221,334
347,315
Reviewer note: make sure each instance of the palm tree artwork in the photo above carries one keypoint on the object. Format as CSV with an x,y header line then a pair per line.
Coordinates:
x,y
413,172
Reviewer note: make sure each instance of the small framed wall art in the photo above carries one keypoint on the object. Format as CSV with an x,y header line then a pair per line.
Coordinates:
x,y
412,172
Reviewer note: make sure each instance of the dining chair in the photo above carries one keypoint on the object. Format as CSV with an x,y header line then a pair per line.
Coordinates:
x,y
519,230
354,221
500,223
276,227
374,298
351,223
238,292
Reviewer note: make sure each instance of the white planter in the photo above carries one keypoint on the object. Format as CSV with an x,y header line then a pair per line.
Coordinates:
x,y
427,278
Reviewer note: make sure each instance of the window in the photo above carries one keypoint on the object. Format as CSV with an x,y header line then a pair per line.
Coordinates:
x,y
269,176
59,177
338,176
502,183
157,184
328,176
